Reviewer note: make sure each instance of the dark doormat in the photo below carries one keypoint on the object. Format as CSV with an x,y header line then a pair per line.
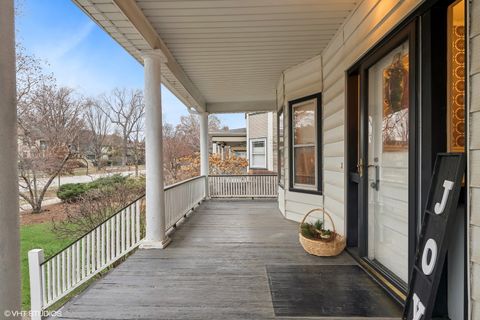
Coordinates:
x,y
328,291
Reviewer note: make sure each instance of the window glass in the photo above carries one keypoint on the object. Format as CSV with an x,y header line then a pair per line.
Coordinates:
x,y
258,147
258,161
305,165
304,144
304,122
258,154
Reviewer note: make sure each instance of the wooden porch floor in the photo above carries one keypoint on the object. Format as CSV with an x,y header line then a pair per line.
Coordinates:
x,y
213,269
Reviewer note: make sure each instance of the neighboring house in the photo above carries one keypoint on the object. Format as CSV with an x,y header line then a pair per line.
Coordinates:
x,y
256,142
229,143
26,143
111,152
262,145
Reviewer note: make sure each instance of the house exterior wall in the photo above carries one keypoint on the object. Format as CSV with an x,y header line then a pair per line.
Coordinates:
x,y
258,125
474,155
360,32
263,125
326,73
297,82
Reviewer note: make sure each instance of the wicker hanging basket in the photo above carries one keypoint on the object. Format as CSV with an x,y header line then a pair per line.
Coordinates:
x,y
332,246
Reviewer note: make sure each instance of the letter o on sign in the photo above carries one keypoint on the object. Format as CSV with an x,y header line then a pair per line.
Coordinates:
x,y
428,266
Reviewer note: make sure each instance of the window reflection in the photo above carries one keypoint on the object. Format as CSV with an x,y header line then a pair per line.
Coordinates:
x,y
304,143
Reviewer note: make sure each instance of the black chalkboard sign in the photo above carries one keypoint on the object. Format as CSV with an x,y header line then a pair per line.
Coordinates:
x,y
435,235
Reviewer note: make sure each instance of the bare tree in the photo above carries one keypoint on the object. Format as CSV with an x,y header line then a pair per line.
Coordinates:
x,y
181,146
174,149
98,124
30,76
189,129
49,129
125,109
138,144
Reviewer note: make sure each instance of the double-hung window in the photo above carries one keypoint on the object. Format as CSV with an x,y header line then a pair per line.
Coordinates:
x,y
305,144
258,153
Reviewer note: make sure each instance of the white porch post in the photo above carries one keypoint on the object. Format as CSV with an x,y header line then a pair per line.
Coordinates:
x,y
155,194
204,149
10,298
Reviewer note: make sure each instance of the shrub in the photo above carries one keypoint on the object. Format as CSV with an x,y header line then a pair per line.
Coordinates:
x,y
71,192
96,205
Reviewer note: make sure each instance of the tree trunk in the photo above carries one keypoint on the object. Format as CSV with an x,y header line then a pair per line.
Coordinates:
x,y
37,207
124,152
136,168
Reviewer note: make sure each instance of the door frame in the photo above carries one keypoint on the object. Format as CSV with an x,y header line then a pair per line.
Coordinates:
x,y
406,34
430,20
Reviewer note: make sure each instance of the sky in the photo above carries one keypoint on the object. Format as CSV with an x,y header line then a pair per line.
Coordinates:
x,y
82,56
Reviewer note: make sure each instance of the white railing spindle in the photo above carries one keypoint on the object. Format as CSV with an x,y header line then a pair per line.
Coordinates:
x,y
243,186
109,241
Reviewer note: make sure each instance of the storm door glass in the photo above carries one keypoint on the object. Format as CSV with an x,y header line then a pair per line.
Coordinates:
x,y
388,141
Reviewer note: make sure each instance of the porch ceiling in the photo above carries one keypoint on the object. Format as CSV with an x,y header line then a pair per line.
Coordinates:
x,y
227,54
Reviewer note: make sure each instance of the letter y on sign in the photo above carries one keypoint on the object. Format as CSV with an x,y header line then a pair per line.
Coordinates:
x,y
439,207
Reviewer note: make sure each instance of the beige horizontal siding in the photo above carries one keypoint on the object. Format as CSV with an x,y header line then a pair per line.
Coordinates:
x,y
280,94
304,79
359,33
475,94
281,200
296,82
258,125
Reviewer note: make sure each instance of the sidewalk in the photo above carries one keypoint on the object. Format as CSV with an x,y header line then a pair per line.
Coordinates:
x,y
72,179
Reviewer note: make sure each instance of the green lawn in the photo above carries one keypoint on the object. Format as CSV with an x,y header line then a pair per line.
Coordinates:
x,y
36,236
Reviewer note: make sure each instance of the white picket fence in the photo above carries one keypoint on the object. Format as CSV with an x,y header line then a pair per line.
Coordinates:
x,y
243,186
53,279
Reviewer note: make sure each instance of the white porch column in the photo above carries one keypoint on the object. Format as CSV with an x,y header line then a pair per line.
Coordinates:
x,y
10,296
155,195
204,148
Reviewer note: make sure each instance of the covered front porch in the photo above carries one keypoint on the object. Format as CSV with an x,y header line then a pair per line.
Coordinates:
x,y
215,268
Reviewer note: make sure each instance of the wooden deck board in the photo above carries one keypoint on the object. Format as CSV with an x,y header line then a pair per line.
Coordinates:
x,y
213,269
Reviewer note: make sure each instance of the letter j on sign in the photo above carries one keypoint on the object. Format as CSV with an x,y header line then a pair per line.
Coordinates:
x,y
435,236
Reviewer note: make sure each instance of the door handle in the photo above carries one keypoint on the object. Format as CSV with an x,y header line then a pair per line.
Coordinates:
x,y
360,167
376,184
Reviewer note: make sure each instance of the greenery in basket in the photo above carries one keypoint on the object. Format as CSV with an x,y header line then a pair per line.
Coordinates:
x,y
325,234
315,230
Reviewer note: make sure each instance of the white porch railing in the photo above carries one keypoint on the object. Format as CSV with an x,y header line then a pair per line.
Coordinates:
x,y
243,186
53,279
182,197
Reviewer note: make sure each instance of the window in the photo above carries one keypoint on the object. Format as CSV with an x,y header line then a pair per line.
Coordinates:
x,y
281,149
305,142
240,154
456,77
258,153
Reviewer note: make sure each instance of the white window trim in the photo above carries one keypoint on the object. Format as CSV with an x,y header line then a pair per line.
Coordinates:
x,y
251,164
315,145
